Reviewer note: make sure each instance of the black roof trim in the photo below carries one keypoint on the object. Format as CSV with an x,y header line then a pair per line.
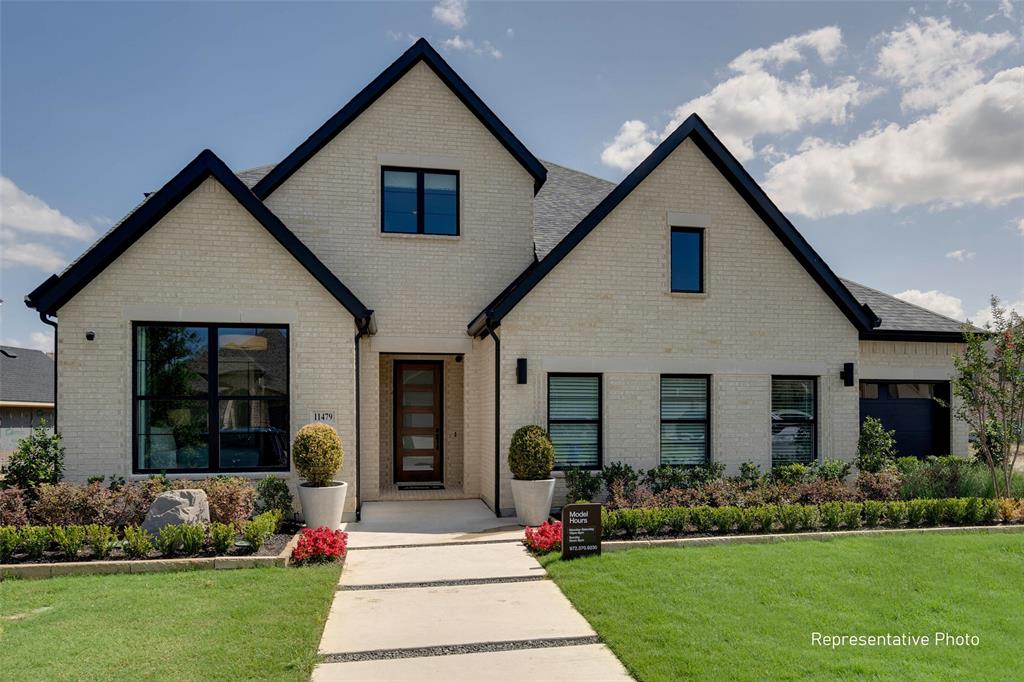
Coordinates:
x,y
860,315
421,50
58,290
912,335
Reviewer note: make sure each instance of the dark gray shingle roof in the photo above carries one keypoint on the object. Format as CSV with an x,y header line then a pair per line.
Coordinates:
x,y
565,199
27,377
899,315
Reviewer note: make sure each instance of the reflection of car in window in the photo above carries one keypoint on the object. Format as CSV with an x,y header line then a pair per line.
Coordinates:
x,y
784,434
257,446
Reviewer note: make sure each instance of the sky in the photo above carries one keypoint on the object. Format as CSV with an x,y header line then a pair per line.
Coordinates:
x,y
891,134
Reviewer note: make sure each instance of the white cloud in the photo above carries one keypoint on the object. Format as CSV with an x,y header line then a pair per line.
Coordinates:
x,y
37,341
461,44
969,152
451,13
755,102
24,212
933,62
510,32
961,255
984,315
399,36
934,300
1020,226
31,254
1005,10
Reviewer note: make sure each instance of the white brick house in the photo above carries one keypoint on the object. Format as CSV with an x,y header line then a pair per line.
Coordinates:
x,y
413,274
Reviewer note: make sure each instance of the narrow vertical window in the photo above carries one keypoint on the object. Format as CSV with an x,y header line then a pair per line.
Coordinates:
x,y
574,419
684,420
687,260
794,420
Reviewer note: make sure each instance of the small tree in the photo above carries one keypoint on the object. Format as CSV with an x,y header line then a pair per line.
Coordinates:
x,y
531,456
988,391
38,459
876,447
318,454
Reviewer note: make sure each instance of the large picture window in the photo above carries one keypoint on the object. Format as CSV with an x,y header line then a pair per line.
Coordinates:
x,y
685,405
210,397
574,419
794,420
417,201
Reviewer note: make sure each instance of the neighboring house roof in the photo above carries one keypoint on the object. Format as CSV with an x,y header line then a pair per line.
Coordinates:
x,y
57,290
421,51
27,377
903,321
693,127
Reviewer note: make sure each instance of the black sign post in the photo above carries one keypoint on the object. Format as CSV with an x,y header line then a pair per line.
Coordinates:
x,y
581,530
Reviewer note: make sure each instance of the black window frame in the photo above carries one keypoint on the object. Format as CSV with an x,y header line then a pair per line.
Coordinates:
x,y
699,231
212,397
706,421
420,212
815,453
599,421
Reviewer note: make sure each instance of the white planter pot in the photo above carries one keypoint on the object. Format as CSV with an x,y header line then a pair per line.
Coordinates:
x,y
533,500
323,506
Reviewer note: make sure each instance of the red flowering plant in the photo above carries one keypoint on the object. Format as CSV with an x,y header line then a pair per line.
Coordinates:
x,y
320,546
545,538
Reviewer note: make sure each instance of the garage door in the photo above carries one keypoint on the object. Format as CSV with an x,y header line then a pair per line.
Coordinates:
x,y
909,407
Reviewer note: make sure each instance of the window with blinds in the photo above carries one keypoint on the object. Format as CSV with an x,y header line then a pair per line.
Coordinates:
x,y
794,420
684,420
574,419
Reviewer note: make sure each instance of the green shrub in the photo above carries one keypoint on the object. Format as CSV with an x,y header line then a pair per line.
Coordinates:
x,y
789,516
531,456
916,512
101,538
37,459
677,520
832,470
581,484
34,540
168,540
703,519
954,511
137,542
701,474
789,474
895,514
934,510
257,531
831,515
750,472
273,493
69,540
9,539
746,520
222,536
873,511
619,474
611,522
629,521
876,447
810,517
193,537
852,514
990,510
726,519
764,519
973,509
318,454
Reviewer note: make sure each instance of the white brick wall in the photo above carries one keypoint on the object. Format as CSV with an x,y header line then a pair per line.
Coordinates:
x,y
207,260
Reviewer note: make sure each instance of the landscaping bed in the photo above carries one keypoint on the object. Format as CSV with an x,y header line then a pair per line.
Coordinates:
x,y
749,611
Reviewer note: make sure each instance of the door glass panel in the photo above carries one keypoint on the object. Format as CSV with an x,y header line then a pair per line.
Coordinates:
x,y
418,463
418,420
418,442
417,398
418,376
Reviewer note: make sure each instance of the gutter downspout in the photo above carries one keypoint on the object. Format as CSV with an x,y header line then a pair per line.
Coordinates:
x,y
497,420
362,327
53,323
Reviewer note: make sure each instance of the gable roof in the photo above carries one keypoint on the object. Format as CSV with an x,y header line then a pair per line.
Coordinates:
x,y
566,198
903,321
26,376
693,127
421,51
48,297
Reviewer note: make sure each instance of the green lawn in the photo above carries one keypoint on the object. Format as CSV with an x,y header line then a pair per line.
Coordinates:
x,y
749,611
251,624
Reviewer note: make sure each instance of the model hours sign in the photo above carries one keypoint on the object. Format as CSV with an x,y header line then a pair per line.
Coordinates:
x,y
581,530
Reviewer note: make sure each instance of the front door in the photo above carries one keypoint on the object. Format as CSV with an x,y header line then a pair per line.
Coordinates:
x,y
418,433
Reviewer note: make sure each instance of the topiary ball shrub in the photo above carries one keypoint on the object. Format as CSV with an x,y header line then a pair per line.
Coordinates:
x,y
531,456
318,454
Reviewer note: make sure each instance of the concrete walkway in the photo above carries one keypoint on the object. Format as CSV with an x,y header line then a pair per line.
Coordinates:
x,y
445,591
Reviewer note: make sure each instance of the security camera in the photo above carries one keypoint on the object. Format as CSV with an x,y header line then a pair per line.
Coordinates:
x,y
90,335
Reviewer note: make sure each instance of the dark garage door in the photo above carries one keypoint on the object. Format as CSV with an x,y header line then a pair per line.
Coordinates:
x,y
921,424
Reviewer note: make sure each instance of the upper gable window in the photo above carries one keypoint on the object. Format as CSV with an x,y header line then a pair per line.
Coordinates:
x,y
416,201
687,260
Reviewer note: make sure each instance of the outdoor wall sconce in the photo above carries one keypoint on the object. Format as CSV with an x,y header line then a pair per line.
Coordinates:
x,y
520,370
90,335
847,374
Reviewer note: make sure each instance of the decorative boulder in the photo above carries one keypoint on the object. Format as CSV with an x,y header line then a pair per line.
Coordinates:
x,y
177,507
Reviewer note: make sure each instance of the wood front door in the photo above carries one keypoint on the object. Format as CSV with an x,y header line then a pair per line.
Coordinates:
x,y
418,422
